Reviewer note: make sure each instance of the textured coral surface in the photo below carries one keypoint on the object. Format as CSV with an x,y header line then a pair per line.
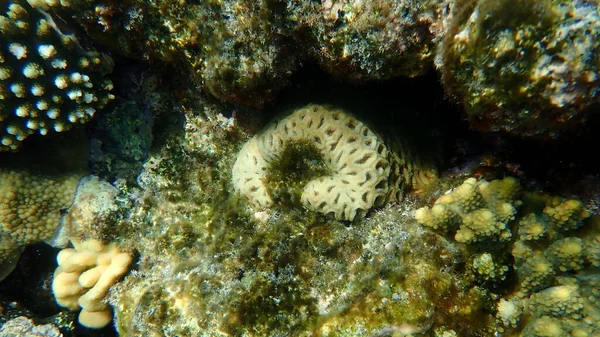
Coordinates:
x,y
246,181
48,82
360,172
529,71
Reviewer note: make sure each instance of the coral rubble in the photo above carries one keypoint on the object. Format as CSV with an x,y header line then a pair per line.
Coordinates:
x,y
22,326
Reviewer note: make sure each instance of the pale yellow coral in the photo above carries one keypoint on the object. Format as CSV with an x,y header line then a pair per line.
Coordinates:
x,y
544,234
362,174
439,216
545,327
556,292
31,205
535,273
500,190
83,277
509,312
593,250
488,269
566,214
465,196
531,227
568,253
482,210
557,301
481,224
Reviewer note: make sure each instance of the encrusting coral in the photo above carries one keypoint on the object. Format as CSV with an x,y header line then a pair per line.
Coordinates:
x,y
48,81
36,185
83,277
360,172
30,207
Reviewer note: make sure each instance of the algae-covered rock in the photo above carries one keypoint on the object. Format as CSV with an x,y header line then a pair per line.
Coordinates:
x,y
246,51
531,70
208,265
295,275
367,40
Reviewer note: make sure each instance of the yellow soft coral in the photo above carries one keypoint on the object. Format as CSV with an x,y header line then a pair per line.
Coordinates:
x,y
83,277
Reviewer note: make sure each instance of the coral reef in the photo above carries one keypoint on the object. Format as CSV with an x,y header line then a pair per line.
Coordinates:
x,y
30,206
553,246
83,277
362,40
36,185
311,225
245,51
531,71
48,81
359,172
24,327
207,265
480,209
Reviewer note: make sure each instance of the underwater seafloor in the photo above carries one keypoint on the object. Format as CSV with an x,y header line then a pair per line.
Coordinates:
x,y
299,168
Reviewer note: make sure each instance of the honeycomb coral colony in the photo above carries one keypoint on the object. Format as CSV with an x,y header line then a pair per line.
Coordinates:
x,y
313,223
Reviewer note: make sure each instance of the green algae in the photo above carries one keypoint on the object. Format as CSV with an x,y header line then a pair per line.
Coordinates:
x,y
299,163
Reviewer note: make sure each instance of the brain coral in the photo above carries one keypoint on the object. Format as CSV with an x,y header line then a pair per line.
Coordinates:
x,y
361,171
48,82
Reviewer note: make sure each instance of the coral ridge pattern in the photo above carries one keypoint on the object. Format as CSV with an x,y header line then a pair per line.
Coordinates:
x,y
361,166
